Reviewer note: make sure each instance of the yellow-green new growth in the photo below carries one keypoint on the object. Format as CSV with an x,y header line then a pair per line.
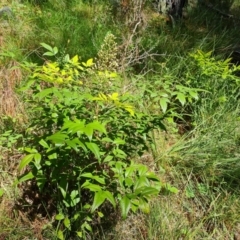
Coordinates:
x,y
114,98
69,73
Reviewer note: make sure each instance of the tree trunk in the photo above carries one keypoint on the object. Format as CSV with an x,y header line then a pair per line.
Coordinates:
x,y
170,7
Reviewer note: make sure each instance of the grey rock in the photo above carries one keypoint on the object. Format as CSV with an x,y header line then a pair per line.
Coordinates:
x,y
6,11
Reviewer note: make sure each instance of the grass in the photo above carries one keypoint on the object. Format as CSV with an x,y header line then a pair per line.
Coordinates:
x,y
202,164
203,216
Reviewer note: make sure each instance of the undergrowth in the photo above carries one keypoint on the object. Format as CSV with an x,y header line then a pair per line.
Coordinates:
x,y
86,143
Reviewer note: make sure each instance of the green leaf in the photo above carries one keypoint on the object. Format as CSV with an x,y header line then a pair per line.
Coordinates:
x,y
97,126
93,147
75,143
28,85
135,204
110,198
89,63
171,188
67,202
125,205
54,115
74,194
67,223
150,191
74,127
146,191
119,168
193,94
88,130
121,180
72,144
67,58
128,181
87,206
52,156
44,93
26,177
119,153
108,158
142,169
99,198
144,206
50,54
41,179
60,235
164,104
92,187
202,188
182,98
76,216
7,133
43,143
87,226
30,150
1,192
163,94
100,214
152,176
37,158
129,171
46,46
106,139
59,217
25,161
72,200
141,182
63,185
55,50
189,192
119,141
79,234
97,178
58,138
87,175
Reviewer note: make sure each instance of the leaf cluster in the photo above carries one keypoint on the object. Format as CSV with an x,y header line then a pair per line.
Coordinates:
x,y
213,75
165,95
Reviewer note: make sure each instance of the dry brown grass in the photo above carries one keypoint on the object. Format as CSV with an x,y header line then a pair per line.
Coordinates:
x,y
10,104
15,220
14,35
134,228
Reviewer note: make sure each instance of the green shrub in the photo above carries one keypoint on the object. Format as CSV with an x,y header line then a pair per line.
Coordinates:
x,y
213,147
215,76
81,148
